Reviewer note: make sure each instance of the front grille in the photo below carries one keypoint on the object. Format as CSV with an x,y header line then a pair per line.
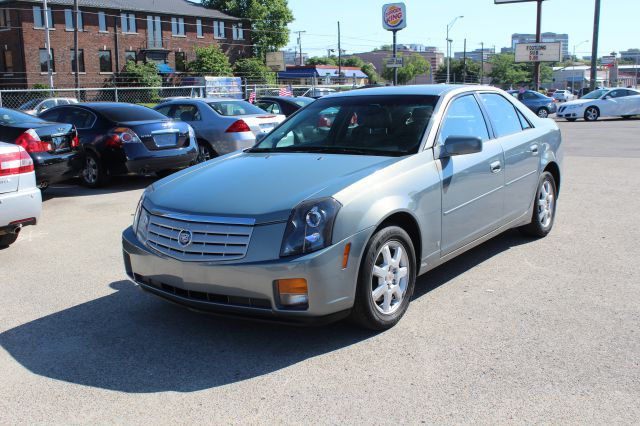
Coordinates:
x,y
200,296
215,240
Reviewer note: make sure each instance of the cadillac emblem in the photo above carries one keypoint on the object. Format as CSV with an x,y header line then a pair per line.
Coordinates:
x,y
184,238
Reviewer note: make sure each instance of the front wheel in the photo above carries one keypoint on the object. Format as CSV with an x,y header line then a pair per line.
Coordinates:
x,y
386,280
543,113
544,208
591,114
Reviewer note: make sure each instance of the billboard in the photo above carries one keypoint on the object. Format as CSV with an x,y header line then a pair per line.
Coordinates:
x,y
394,16
538,52
275,61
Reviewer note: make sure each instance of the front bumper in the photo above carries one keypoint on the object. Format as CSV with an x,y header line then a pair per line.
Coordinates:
x,y
247,287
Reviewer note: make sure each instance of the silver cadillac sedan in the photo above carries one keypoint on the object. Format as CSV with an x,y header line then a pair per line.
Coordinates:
x,y
338,210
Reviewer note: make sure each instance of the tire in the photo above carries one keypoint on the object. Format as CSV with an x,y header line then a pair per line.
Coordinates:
x,y
386,280
543,112
544,208
205,152
8,239
571,119
93,174
591,114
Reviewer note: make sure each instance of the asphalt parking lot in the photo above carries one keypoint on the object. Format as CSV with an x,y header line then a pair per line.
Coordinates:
x,y
515,331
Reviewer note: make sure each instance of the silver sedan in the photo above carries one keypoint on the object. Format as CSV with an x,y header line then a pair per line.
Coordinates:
x,y
340,208
222,125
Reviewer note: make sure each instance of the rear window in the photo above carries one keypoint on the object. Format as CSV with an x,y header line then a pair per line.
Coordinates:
x,y
9,116
302,101
122,113
229,108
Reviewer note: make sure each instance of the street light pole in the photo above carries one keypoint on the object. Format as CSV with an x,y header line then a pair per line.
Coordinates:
x,y
481,61
449,45
573,71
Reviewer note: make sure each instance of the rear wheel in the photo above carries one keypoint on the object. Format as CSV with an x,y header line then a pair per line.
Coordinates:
x,y
386,280
205,152
543,113
544,208
94,174
8,239
591,114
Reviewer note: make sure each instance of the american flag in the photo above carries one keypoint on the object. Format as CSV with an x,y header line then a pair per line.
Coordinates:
x,y
285,91
252,97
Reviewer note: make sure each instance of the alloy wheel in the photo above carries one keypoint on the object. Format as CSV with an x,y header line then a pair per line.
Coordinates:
x,y
390,277
543,113
203,153
90,172
546,200
591,114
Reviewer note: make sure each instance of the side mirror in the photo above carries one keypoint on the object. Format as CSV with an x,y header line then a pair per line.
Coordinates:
x,y
260,137
460,145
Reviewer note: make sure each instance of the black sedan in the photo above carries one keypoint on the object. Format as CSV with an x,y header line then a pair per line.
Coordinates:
x,y
54,147
282,104
121,139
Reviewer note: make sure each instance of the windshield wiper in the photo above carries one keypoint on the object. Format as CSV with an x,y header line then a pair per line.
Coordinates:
x,y
330,150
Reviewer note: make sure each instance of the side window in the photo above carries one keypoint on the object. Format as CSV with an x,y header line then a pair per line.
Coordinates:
x,y
523,121
185,113
52,115
529,96
46,105
270,107
502,114
164,110
464,118
80,118
616,94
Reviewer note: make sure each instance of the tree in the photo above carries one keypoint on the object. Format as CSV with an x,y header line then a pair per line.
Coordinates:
x,y
144,74
458,72
384,47
255,70
210,60
414,66
322,60
506,72
353,61
269,20
371,73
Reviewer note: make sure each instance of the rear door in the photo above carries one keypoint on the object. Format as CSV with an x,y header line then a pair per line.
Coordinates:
x,y
519,141
472,184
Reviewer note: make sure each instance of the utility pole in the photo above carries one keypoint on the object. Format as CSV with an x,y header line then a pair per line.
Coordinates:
x,y
47,45
300,45
594,46
76,54
481,61
464,63
339,54
536,65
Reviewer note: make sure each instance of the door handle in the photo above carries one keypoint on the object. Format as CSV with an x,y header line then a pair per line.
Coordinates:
x,y
534,149
495,167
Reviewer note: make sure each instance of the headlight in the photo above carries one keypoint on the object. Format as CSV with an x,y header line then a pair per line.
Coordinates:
x,y
310,227
141,217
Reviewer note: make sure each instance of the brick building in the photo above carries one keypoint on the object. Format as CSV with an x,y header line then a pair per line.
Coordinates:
x,y
111,32
378,57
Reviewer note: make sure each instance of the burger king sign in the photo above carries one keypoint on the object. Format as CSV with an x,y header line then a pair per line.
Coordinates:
x,y
394,16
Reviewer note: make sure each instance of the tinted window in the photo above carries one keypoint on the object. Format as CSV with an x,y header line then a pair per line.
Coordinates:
x,y
229,108
523,121
130,113
185,113
502,114
303,101
464,118
52,115
596,94
617,93
9,116
269,106
164,110
81,118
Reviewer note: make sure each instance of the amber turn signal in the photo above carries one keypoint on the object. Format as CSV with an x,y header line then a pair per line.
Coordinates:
x,y
293,292
345,256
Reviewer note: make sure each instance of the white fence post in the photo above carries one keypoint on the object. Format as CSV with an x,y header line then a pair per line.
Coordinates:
x,y
116,94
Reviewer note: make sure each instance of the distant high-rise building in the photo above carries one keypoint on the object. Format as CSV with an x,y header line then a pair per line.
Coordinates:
x,y
630,55
506,50
476,55
563,39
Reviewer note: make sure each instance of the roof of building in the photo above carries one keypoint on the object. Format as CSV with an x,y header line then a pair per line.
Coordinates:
x,y
320,71
170,7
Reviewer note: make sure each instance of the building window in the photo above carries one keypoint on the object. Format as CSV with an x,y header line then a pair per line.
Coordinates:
x,y
5,18
181,61
238,31
105,60
128,22
218,29
199,28
80,60
177,26
7,65
154,32
38,17
43,61
102,22
130,55
69,20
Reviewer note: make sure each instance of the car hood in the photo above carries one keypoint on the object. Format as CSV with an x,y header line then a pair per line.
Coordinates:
x,y
261,186
578,102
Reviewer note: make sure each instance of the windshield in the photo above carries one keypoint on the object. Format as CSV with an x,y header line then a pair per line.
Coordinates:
x,y
129,112
229,108
364,125
30,105
595,94
9,116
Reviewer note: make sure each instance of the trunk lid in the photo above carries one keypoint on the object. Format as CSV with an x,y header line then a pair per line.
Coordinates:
x,y
158,135
262,123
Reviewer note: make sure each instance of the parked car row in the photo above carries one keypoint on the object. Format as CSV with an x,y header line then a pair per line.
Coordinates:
x,y
618,102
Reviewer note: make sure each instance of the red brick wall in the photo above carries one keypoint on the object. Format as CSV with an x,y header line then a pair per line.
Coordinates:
x,y
91,41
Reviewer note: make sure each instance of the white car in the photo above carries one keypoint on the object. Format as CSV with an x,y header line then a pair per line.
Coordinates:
x,y
602,103
37,106
563,95
20,198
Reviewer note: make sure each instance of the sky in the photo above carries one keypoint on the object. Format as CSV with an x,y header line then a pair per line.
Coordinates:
x,y
361,24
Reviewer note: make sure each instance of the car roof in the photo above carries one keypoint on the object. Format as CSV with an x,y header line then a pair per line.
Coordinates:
x,y
286,98
422,89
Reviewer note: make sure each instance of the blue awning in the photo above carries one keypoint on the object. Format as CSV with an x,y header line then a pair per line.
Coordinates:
x,y
165,69
298,73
